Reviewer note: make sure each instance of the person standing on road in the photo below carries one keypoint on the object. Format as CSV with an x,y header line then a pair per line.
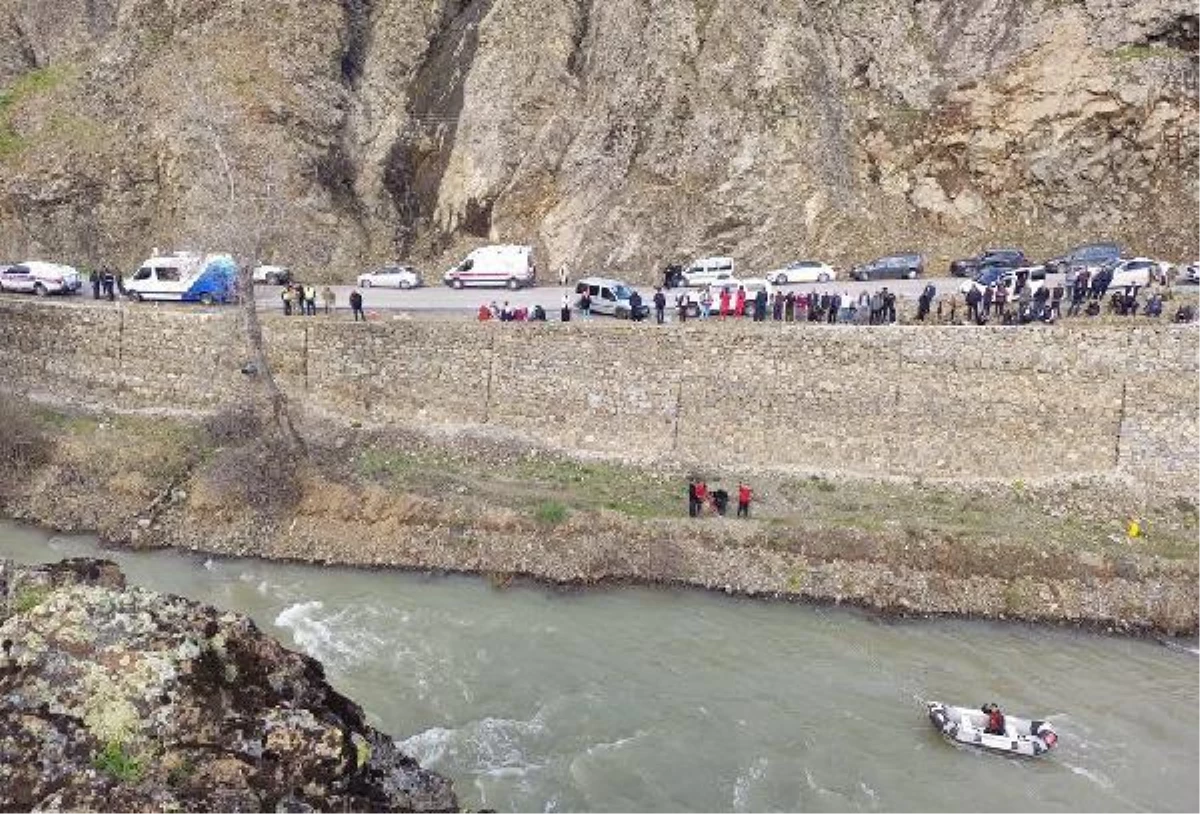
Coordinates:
x,y
760,305
110,283
660,306
925,301
310,300
328,299
94,279
585,303
739,302
744,496
724,302
356,305
1000,303
889,305
566,308
706,302
973,299
693,500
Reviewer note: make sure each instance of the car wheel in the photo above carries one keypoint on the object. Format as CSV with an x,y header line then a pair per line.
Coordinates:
x,y
781,280
513,285
456,283
136,297
822,278
40,289
272,279
911,274
405,284
621,313
365,283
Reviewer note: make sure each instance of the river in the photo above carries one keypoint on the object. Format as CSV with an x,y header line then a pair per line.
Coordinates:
x,y
628,699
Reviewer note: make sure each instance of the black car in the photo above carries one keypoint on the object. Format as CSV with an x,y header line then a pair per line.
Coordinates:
x,y
970,266
1090,255
892,267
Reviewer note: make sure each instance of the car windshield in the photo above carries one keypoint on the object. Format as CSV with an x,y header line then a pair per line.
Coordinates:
x,y
622,292
804,264
990,274
1002,255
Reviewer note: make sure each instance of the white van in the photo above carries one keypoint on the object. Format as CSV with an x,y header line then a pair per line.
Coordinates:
x,y
708,271
510,266
184,277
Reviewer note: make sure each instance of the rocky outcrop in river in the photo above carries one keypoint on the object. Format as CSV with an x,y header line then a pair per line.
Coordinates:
x,y
614,133
115,698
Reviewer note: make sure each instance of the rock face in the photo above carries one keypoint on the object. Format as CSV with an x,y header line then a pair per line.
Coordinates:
x,y
121,699
614,133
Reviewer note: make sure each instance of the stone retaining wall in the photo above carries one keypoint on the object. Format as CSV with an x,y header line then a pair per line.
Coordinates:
x,y
994,402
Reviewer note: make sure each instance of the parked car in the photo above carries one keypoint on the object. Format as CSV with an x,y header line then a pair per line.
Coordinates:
x,y
1190,274
36,277
609,297
390,277
970,266
184,277
509,266
1092,256
708,271
802,271
1140,271
892,267
272,275
1006,278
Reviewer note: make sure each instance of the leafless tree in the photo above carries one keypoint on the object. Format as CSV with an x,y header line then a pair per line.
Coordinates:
x,y
239,207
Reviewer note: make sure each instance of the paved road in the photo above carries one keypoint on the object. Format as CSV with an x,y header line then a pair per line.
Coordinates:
x,y
441,298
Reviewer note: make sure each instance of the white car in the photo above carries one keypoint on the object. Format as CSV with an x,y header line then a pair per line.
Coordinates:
x,y
36,277
802,271
1190,274
709,271
272,275
390,277
1006,278
1138,271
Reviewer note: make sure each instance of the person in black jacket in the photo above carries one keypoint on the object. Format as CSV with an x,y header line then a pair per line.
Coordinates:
x,y
660,306
356,305
94,279
635,306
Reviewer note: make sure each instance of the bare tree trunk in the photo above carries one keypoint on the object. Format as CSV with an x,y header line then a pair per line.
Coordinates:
x,y
280,414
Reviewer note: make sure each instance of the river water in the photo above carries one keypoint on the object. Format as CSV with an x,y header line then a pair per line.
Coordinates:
x,y
533,699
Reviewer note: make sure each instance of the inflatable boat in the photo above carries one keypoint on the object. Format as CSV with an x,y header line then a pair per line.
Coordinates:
x,y
1021,737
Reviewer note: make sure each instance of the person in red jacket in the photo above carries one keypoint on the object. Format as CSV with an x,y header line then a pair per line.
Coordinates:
x,y
485,313
701,494
995,724
739,308
744,495
724,303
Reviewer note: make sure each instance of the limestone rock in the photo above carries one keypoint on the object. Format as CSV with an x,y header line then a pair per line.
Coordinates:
x,y
121,699
617,134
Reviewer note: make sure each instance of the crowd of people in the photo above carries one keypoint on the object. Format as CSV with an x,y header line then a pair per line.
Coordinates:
x,y
106,283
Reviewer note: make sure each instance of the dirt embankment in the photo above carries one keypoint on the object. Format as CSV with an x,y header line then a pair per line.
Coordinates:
x,y
1043,552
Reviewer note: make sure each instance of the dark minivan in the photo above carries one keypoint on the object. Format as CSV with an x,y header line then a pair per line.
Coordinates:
x,y
892,267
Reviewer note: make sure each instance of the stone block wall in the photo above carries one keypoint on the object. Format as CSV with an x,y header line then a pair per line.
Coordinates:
x,y
994,402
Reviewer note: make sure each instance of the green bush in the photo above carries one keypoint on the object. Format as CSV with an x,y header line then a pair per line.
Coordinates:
x,y
117,763
550,513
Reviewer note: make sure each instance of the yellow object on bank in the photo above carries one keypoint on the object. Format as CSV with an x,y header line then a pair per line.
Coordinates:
x,y
1135,529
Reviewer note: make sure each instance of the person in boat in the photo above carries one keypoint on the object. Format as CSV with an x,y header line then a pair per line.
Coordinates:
x,y
995,722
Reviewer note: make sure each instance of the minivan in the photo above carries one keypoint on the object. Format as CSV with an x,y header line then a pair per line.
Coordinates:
x,y
609,297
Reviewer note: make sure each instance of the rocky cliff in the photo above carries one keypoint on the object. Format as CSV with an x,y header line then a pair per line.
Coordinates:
x,y
121,699
617,133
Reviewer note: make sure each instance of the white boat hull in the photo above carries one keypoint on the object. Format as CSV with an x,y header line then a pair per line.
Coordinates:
x,y
1030,738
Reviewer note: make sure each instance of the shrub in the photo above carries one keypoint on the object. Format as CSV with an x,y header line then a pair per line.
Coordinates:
x,y
24,443
234,424
29,598
550,513
261,474
116,762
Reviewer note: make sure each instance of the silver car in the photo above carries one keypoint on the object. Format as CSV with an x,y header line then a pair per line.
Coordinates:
x,y
36,277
